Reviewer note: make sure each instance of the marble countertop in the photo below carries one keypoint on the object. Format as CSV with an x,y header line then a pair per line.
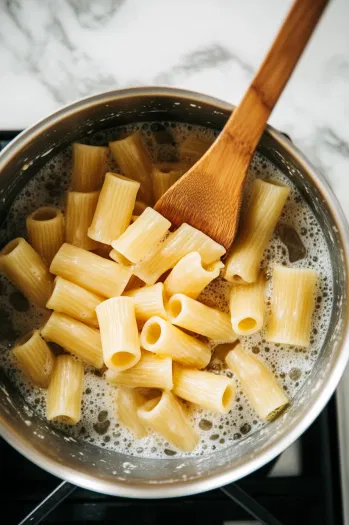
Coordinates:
x,y
54,52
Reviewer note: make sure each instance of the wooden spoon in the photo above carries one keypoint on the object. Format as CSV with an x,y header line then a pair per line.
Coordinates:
x,y
209,195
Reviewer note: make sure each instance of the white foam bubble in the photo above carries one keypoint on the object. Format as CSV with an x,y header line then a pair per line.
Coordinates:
x,y
291,365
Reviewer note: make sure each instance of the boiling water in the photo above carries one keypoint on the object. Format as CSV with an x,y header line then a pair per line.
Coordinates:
x,y
298,241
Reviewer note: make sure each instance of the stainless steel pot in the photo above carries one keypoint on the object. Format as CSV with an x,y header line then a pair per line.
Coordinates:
x,y
118,474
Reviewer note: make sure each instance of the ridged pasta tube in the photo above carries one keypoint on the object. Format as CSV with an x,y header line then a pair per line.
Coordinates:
x,y
257,382
64,394
166,416
264,210
119,333
20,263
190,276
45,228
35,358
162,338
292,305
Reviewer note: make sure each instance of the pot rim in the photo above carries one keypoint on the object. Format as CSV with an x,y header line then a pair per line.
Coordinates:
x,y
296,428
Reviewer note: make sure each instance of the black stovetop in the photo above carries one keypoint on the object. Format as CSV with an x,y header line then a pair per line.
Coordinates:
x,y
311,498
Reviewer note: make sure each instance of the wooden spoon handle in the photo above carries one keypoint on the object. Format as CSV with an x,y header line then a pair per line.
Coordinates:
x,y
248,121
209,195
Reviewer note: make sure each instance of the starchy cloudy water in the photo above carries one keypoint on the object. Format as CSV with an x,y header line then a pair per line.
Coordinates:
x,y
298,242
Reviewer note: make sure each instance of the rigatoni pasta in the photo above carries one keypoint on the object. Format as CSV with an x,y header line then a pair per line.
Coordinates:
x,y
89,167
136,299
119,333
190,276
143,236
162,338
134,161
264,210
128,401
292,305
64,394
149,301
35,358
257,382
114,208
79,214
21,265
166,416
212,391
151,371
70,299
247,306
90,271
45,228
184,240
199,318
163,178
75,337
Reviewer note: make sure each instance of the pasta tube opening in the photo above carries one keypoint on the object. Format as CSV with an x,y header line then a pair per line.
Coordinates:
x,y
122,359
25,338
45,228
165,415
228,397
152,333
175,308
46,213
236,279
247,324
151,404
161,337
10,247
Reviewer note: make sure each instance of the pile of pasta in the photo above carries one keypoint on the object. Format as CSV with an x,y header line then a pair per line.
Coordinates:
x,y
124,293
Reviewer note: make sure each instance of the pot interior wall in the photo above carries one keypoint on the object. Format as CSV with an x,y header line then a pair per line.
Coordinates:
x,y
66,455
